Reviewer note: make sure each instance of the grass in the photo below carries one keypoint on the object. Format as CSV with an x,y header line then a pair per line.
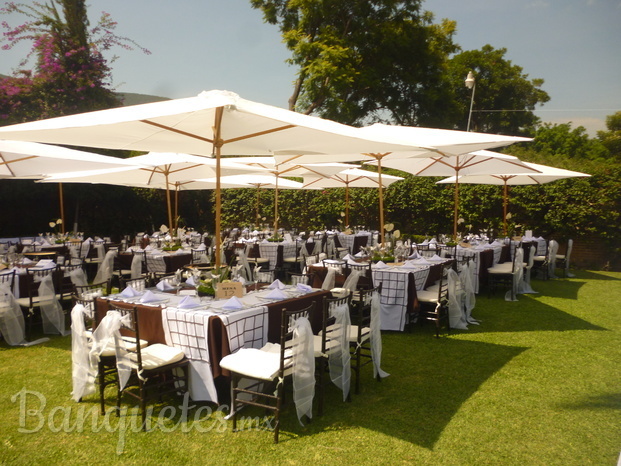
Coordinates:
x,y
538,382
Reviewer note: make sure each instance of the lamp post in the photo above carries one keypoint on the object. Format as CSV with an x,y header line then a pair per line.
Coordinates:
x,y
470,84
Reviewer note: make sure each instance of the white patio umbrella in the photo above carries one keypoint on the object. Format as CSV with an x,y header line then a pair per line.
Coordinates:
x,y
169,171
479,162
292,169
259,182
350,178
214,123
433,143
546,174
31,160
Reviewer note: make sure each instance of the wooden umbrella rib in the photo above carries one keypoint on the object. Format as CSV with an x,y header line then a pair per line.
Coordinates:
x,y
178,131
260,133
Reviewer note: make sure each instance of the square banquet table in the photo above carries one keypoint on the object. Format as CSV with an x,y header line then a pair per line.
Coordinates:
x,y
399,285
207,333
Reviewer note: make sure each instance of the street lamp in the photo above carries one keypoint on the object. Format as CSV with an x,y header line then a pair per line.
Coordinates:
x,y
470,84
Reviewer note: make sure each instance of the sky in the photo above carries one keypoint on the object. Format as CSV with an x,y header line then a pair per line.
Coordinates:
x,y
196,45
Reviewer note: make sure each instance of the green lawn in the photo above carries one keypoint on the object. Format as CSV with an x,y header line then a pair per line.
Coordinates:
x,y
538,382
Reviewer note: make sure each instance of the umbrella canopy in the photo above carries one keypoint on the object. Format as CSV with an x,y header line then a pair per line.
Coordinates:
x,y
30,160
350,178
432,143
259,182
480,162
546,174
213,123
279,170
160,171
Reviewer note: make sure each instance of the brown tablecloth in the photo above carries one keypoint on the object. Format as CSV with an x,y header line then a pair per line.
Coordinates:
x,y
152,329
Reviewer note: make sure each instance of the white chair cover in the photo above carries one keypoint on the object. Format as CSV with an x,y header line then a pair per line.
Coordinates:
x,y
524,287
552,250
107,334
518,275
328,282
83,373
456,297
106,266
303,359
351,282
570,245
78,277
339,357
51,310
12,326
467,284
136,267
376,337
246,270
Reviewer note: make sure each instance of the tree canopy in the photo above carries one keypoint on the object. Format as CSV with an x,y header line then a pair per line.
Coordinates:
x,y
70,74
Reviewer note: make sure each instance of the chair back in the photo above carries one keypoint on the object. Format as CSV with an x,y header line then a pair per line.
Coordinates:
x,y
92,291
7,280
329,320
130,328
138,284
287,327
366,274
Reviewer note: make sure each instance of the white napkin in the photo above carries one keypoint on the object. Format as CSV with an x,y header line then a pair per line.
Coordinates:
x,y
275,294
353,262
409,265
304,288
129,292
233,303
380,265
25,261
348,257
435,257
421,261
164,285
190,281
359,254
149,297
414,255
277,284
46,264
201,247
265,241
188,302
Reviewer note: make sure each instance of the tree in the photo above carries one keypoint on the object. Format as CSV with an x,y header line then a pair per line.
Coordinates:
x,y
611,139
71,74
504,97
362,61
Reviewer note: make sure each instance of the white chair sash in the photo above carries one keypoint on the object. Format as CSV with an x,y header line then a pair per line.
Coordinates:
x,y
328,282
83,373
456,298
107,334
467,283
136,267
78,277
106,266
518,275
51,310
352,281
338,356
376,337
303,368
12,326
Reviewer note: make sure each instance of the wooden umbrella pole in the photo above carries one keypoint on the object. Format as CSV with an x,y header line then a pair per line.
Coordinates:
x,y
381,197
62,208
347,204
218,147
256,221
276,208
168,204
176,206
456,209
505,203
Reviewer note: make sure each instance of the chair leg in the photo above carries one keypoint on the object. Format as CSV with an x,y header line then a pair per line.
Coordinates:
x,y
102,380
234,382
357,368
280,392
143,403
322,364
